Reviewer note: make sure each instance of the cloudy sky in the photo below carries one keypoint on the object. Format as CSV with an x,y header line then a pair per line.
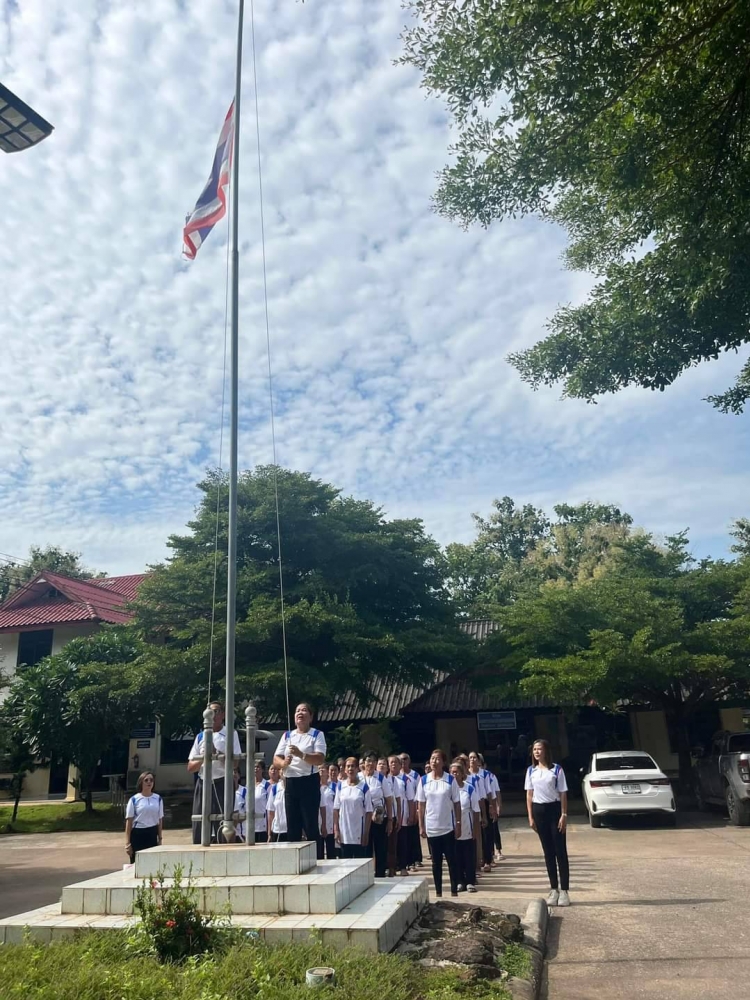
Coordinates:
x,y
389,325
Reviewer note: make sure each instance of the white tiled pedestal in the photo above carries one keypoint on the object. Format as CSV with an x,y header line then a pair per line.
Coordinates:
x,y
280,890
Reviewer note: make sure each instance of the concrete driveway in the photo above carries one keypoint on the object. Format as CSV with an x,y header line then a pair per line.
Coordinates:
x,y
659,914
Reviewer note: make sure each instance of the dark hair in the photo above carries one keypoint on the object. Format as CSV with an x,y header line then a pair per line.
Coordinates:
x,y
141,776
218,704
546,756
442,754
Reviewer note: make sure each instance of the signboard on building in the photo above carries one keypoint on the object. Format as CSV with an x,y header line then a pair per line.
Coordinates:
x,y
143,745
147,732
496,720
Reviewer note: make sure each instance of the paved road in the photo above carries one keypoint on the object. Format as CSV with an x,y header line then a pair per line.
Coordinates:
x,y
658,914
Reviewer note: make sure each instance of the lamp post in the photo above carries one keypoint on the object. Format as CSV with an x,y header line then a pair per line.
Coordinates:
x,y
20,126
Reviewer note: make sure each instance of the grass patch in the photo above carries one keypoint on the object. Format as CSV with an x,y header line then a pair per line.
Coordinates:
x,y
102,967
516,961
61,817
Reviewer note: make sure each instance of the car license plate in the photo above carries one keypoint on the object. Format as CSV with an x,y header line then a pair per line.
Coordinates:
x,y
631,789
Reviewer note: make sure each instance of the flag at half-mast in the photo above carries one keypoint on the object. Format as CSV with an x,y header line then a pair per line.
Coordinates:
x,y
212,204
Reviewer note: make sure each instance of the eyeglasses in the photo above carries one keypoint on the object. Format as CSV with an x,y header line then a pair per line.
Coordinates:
x,y
148,781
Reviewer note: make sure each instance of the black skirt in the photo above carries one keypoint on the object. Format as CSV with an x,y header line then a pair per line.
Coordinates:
x,y
143,837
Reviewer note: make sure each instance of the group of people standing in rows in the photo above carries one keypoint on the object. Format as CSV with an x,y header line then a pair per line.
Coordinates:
x,y
377,807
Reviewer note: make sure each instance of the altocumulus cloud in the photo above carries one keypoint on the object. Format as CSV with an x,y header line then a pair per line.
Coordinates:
x,y
389,324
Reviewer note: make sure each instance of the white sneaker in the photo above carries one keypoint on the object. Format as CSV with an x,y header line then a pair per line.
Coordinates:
x,y
564,899
460,888
471,888
553,898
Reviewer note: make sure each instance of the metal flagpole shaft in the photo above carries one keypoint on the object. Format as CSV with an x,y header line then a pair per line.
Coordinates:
x,y
228,824
251,722
208,783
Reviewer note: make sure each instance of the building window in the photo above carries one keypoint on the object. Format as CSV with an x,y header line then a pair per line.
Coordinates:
x,y
34,646
175,751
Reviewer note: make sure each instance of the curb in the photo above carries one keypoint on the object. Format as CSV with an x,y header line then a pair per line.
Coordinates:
x,y
534,924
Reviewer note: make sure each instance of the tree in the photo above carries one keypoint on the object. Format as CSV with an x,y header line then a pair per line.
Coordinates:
x,y
15,754
364,598
517,549
51,558
625,122
654,630
741,532
75,704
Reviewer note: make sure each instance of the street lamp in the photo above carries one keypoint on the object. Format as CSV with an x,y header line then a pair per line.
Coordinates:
x,y
20,126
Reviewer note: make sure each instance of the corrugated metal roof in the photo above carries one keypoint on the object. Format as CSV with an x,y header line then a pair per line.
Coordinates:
x,y
457,694
478,628
87,600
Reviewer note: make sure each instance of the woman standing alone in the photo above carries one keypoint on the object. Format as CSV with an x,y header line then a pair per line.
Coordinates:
x,y
144,817
547,806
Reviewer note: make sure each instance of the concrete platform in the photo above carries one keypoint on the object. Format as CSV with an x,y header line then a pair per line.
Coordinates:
x,y
340,899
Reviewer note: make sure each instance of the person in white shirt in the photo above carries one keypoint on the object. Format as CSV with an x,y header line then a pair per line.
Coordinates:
x,y
262,788
415,844
547,807
381,792
326,840
439,805
404,790
352,813
195,766
276,807
466,865
482,776
333,776
240,806
144,816
299,754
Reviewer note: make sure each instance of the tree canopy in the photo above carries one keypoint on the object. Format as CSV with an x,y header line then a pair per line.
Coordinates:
x,y
50,557
626,122
74,705
653,630
364,598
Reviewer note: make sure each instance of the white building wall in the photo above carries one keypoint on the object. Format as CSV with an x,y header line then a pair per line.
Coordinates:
x,y
8,658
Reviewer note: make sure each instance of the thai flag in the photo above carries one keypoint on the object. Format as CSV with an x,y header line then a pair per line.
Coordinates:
x,y
212,204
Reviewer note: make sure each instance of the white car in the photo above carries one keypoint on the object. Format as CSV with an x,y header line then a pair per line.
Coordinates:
x,y
627,782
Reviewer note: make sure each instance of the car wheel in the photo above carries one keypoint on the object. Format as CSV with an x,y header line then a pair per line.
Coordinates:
x,y
738,809
595,822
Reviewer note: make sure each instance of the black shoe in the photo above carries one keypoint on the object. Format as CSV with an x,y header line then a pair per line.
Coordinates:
x,y
454,894
439,895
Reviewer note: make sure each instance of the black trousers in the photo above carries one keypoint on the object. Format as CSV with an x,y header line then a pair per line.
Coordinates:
x,y
547,816
302,798
496,835
217,806
402,848
261,837
415,845
353,851
143,837
443,847
378,848
327,847
466,864
488,844
279,838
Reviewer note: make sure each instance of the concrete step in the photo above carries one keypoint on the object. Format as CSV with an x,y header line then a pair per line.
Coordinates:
x,y
223,859
327,888
376,920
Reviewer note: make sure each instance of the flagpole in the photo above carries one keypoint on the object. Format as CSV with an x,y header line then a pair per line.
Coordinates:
x,y
228,824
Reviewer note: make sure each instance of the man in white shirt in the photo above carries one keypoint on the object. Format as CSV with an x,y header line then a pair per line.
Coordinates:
x,y
195,766
381,793
405,789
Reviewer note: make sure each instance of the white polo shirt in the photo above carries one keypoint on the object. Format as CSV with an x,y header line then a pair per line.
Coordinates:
x,y
380,789
145,810
353,802
240,806
327,798
261,805
277,807
439,796
469,808
313,741
407,794
220,746
493,785
477,780
546,783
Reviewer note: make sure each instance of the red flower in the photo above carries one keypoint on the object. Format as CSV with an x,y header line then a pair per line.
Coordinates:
x,y
171,923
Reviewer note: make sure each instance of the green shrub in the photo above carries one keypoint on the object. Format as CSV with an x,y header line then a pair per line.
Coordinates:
x,y
172,925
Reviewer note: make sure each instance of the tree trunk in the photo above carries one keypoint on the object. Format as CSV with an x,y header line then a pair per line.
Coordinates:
x,y
17,789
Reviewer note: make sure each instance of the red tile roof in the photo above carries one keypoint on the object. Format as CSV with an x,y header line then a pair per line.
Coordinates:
x,y
31,606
